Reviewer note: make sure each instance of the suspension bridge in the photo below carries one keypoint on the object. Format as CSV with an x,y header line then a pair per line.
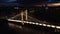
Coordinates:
x,y
30,20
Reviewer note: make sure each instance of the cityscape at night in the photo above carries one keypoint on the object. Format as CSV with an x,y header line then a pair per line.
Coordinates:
x,y
29,16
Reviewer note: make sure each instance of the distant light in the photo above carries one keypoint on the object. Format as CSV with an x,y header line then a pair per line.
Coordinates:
x,y
54,4
33,23
40,24
48,25
30,22
14,20
44,24
52,26
27,22
37,23
58,27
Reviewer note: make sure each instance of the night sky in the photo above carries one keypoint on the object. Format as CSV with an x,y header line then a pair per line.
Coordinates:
x,y
29,1
7,1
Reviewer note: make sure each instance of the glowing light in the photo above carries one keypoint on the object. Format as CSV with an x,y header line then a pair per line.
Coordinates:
x,y
54,4
58,27
52,26
27,22
37,23
44,24
40,24
14,20
33,23
24,21
30,22
48,25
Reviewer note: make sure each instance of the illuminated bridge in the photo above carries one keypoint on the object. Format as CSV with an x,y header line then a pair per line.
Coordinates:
x,y
23,22
31,20
41,24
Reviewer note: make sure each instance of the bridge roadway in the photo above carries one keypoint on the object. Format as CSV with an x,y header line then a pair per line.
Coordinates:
x,y
40,24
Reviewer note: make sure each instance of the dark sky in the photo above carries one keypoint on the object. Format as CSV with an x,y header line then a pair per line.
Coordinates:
x,y
37,1
7,1
28,2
